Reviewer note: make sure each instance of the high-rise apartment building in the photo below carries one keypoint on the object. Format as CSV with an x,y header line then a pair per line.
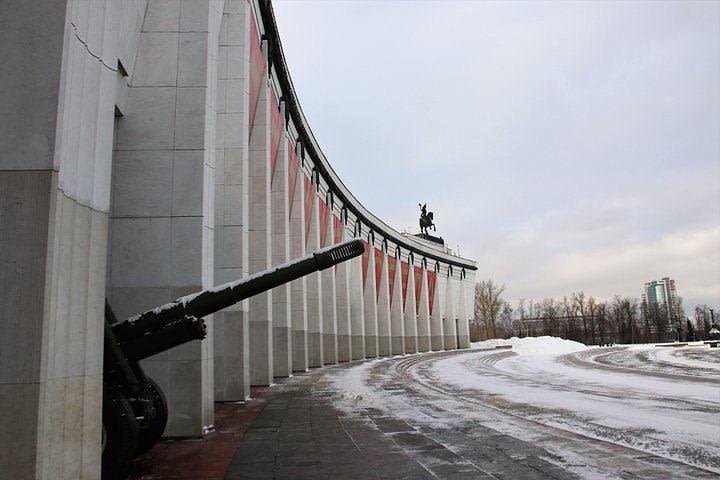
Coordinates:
x,y
661,296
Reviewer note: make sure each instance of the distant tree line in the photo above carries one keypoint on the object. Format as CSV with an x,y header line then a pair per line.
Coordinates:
x,y
581,318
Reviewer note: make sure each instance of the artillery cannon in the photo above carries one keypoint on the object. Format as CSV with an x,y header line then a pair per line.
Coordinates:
x,y
134,408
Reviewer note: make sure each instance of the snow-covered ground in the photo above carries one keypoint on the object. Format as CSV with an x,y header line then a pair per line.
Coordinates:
x,y
694,360
534,345
665,403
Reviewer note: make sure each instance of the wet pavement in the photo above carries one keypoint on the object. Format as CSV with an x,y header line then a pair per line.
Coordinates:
x,y
292,430
393,418
301,435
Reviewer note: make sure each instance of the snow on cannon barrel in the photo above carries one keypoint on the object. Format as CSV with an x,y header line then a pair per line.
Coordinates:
x,y
134,408
210,301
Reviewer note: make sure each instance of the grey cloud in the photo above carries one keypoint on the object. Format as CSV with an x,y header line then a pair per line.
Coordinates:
x,y
545,136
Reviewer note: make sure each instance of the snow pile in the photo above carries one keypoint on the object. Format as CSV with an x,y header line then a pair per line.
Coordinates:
x,y
353,390
492,343
535,345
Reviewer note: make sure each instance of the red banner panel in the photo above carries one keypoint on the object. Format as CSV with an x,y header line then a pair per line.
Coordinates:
x,y
338,227
309,195
275,133
324,219
365,261
418,285
392,265
378,270
432,278
404,274
257,68
293,169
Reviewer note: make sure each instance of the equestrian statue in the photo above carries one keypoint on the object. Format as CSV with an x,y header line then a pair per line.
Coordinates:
x,y
426,219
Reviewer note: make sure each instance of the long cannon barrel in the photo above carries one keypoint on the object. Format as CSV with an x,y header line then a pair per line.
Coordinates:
x,y
204,303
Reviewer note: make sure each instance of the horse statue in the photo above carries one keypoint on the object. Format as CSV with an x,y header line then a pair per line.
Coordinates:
x,y
426,219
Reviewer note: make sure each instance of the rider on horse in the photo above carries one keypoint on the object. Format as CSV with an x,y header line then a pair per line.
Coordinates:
x,y
426,219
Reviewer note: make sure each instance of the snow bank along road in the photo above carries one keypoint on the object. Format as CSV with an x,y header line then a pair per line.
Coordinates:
x,y
637,412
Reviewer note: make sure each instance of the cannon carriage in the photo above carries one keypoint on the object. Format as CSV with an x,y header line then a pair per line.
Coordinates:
x,y
134,407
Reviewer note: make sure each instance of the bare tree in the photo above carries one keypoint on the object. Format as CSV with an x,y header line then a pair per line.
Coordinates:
x,y
591,309
549,311
521,316
578,300
488,303
569,315
602,320
505,320
632,308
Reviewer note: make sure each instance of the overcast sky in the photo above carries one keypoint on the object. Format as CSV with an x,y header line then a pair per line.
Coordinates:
x,y
564,146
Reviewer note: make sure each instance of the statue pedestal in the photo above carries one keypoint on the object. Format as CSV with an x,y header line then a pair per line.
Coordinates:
x,y
430,238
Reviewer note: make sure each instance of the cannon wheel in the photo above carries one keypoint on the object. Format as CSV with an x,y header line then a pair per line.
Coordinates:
x,y
151,433
120,435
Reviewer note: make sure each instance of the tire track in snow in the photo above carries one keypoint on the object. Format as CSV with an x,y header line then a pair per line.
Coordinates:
x,y
416,370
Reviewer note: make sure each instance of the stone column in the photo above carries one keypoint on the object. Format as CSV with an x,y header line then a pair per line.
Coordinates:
x,y
370,304
298,298
450,317
423,310
383,305
397,323
436,314
342,293
463,327
410,317
329,305
55,161
231,339
162,227
357,308
314,285
282,347
260,237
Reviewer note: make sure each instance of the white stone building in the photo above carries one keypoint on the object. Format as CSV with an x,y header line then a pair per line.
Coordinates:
x,y
153,148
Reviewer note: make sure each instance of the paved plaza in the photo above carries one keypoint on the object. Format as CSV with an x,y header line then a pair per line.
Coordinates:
x,y
292,430
394,418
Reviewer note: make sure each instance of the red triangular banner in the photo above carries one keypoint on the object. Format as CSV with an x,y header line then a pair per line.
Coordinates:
x,y
257,68
338,228
418,285
404,273
378,270
323,218
432,279
365,262
275,133
293,169
309,196
392,265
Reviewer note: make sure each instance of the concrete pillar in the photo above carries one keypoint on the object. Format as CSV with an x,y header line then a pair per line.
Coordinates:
x,y
327,276
357,307
450,317
410,317
463,327
55,160
469,298
260,236
231,327
342,294
436,312
298,298
423,309
282,346
162,227
383,304
314,285
370,304
397,322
